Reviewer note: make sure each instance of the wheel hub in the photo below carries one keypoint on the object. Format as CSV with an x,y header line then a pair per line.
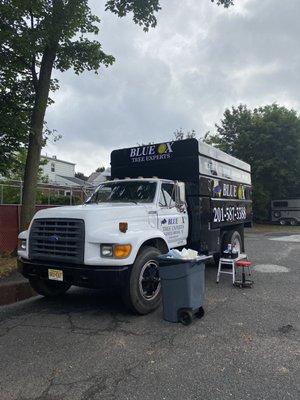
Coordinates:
x,y
149,282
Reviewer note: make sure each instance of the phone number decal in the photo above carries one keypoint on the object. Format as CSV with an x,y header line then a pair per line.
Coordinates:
x,y
229,214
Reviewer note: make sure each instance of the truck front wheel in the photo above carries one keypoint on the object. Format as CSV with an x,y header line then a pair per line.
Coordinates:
x,y
48,288
143,291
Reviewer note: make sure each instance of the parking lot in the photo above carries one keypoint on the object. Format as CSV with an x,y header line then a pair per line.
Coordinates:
x,y
86,346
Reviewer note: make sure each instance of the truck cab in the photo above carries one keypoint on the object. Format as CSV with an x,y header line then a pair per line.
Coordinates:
x,y
124,225
161,196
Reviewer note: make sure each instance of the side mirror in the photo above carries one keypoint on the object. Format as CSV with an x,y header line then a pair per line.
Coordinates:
x,y
181,193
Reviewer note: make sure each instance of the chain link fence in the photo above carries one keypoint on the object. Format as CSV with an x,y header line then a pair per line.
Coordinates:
x,y
47,196
11,193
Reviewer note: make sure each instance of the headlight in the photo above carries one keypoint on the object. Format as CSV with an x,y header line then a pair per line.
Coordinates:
x,y
22,244
115,250
106,250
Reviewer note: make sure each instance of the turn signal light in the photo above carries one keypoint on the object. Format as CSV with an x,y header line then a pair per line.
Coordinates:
x,y
122,250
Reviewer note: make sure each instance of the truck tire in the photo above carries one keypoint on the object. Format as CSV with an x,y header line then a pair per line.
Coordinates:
x,y
142,293
234,238
282,221
293,222
48,288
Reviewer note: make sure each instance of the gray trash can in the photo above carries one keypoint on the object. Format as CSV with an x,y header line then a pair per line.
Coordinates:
x,y
183,284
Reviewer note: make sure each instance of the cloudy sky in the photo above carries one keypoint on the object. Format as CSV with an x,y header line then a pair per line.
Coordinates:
x,y
199,60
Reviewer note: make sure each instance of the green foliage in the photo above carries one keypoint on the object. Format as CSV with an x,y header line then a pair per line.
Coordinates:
x,y
81,175
225,3
43,198
179,134
15,169
143,11
29,28
268,138
10,194
38,36
100,169
15,97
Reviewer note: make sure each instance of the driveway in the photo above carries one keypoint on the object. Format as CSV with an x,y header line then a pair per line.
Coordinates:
x,y
86,346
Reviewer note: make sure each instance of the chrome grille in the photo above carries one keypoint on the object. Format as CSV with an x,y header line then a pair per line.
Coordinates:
x,y
57,239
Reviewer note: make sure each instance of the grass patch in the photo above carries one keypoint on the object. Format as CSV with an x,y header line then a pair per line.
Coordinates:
x,y
8,265
273,228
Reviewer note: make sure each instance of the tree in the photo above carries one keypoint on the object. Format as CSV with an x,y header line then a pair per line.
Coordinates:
x,y
179,134
100,169
81,176
14,119
38,36
268,138
16,168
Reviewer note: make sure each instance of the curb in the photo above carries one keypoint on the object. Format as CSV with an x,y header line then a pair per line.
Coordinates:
x,y
15,291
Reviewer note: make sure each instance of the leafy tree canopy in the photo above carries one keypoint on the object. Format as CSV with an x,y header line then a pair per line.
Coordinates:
x,y
29,28
268,138
100,169
180,134
81,175
15,172
38,36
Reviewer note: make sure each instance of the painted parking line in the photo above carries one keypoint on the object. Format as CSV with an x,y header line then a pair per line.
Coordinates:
x,y
290,238
270,268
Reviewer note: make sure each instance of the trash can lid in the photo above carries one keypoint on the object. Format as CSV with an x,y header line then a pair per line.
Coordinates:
x,y
165,260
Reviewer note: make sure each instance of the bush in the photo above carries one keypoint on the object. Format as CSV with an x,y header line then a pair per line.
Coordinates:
x,y
10,195
57,199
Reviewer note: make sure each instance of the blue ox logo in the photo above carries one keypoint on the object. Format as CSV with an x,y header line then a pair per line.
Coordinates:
x,y
53,238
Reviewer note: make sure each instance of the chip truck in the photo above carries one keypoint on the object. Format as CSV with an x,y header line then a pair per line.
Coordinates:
x,y
161,196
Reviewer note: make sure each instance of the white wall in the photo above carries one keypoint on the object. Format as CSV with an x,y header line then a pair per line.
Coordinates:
x,y
61,168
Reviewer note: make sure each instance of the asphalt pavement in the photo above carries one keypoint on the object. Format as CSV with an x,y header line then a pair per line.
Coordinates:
x,y
86,346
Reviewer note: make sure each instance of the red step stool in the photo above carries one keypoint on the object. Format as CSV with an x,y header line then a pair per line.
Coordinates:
x,y
244,283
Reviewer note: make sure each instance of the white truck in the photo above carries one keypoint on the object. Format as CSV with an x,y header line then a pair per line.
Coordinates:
x,y
163,196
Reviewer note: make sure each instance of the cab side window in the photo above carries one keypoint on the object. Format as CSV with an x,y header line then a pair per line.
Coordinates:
x,y
167,195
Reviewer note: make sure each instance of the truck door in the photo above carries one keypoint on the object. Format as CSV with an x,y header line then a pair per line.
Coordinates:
x,y
172,219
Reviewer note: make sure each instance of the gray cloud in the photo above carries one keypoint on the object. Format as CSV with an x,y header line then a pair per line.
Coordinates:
x,y
199,60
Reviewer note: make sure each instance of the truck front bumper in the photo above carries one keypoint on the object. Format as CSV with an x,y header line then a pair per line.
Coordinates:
x,y
89,276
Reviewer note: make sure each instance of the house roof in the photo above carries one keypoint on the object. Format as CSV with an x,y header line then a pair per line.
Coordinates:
x,y
106,172
56,159
93,176
99,176
75,180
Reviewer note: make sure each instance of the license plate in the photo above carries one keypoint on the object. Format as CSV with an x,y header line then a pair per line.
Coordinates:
x,y
55,274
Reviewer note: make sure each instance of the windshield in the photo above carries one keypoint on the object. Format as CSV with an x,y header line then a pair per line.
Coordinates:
x,y
130,191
